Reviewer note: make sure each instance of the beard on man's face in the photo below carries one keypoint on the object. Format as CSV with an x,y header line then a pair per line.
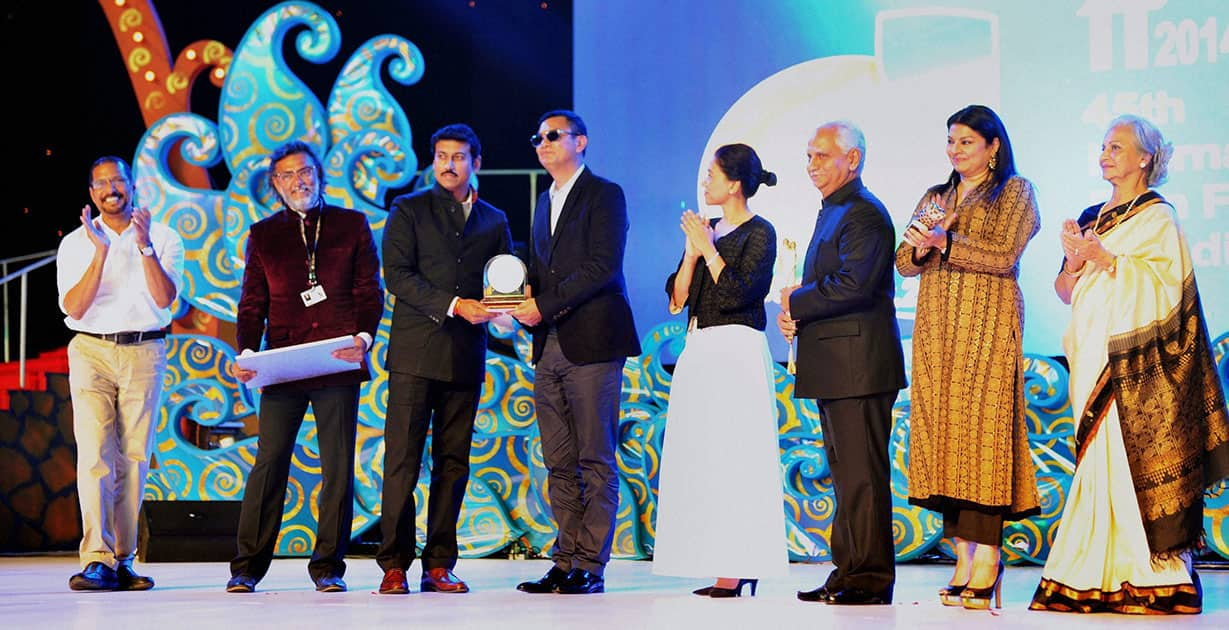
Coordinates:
x,y
301,199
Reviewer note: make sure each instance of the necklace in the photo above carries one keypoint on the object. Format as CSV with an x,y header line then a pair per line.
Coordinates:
x,y
1097,223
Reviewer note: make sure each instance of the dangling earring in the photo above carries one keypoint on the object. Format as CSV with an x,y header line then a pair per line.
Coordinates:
x,y
994,161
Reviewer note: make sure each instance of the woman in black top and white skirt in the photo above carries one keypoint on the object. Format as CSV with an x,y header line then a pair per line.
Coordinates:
x,y
720,508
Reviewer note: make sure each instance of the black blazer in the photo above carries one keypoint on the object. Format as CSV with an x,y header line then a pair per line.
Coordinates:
x,y
577,274
848,338
432,254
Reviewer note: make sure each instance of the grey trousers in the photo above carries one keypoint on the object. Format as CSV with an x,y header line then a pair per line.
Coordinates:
x,y
578,417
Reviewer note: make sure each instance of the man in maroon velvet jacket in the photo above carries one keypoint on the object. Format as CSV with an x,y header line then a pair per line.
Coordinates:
x,y
312,273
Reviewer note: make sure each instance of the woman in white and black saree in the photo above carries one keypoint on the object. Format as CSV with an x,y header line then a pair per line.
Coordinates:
x,y
1152,427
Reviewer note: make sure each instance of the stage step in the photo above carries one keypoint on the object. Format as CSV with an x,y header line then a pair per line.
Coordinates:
x,y
37,368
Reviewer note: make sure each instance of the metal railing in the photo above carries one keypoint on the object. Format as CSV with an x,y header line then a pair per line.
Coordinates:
x,y
531,173
41,259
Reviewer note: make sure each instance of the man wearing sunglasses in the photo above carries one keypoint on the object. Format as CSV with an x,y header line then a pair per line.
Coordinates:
x,y
311,274
117,276
582,333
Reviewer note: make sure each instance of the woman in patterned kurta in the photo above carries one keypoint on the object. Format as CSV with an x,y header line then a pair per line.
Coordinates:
x,y
968,454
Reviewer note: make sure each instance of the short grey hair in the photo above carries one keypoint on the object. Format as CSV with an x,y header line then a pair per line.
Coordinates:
x,y
1148,138
848,136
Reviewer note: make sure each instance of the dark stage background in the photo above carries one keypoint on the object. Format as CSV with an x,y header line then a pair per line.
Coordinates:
x,y
494,64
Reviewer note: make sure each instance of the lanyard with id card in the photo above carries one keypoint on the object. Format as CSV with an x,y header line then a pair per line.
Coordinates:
x,y
315,292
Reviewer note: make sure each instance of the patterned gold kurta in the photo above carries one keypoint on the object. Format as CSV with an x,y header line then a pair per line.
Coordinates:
x,y
968,442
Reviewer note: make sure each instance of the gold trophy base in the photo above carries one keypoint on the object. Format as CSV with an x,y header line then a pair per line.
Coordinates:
x,y
502,303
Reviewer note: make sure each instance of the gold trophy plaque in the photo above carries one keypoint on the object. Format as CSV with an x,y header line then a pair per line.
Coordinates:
x,y
503,283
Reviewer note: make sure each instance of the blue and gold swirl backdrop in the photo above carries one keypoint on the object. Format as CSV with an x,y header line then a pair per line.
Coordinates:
x,y
364,138
1216,500
506,501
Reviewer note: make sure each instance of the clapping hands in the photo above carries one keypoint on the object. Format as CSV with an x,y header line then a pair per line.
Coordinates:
x,y
1080,248
699,235
923,240
95,232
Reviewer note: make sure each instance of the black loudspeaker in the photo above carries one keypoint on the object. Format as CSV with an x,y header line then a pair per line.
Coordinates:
x,y
188,531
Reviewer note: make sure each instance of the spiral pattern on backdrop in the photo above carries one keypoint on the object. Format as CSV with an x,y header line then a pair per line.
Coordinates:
x,y
365,139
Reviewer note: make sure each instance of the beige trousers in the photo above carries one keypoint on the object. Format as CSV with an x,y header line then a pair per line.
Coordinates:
x,y
115,393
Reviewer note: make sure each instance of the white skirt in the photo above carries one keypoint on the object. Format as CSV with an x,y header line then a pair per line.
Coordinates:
x,y
721,506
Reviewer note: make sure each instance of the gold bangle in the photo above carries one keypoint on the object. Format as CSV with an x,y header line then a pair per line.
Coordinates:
x,y
1073,274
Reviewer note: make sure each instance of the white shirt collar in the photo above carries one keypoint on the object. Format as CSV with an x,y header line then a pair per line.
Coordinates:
x,y
560,197
468,204
567,186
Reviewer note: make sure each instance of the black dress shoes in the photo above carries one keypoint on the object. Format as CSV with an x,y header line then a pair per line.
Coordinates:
x,y
330,584
581,582
241,584
859,597
95,577
130,581
815,595
546,584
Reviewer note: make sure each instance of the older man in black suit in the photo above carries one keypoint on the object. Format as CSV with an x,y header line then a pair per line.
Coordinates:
x,y
582,333
436,245
850,360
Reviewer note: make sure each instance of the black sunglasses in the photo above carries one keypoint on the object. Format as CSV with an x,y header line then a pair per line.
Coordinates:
x,y
553,135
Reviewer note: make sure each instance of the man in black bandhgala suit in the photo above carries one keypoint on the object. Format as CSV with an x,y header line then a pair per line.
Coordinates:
x,y
850,360
436,245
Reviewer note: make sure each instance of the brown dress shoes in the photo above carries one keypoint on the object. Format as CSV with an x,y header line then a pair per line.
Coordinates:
x,y
441,580
394,583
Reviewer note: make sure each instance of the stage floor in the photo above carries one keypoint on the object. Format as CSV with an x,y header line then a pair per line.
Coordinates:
x,y
190,595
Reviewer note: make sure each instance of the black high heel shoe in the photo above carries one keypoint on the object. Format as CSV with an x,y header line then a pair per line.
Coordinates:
x,y
717,591
979,598
950,595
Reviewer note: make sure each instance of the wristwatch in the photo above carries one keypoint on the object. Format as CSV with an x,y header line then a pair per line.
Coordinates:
x,y
148,250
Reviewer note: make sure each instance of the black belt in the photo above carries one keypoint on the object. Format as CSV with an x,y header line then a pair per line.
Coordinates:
x,y
125,338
